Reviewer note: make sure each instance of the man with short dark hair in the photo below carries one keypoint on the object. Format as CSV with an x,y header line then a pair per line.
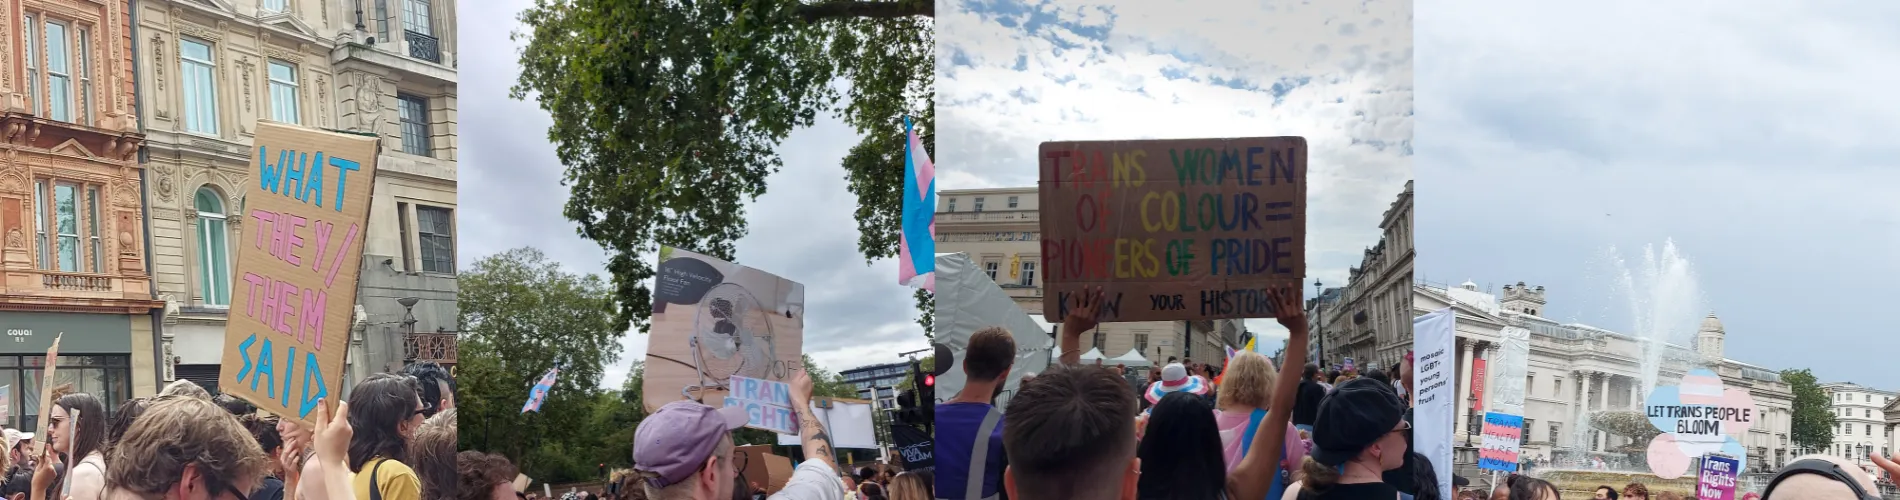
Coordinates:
x,y
1605,492
1072,435
1306,402
969,434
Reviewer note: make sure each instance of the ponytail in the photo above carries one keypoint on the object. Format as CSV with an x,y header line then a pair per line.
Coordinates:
x,y
1318,478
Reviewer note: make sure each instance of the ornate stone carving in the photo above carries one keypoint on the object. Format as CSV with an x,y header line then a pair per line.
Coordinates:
x,y
284,55
124,194
6,51
245,69
323,95
15,239
196,31
12,181
165,186
159,63
369,102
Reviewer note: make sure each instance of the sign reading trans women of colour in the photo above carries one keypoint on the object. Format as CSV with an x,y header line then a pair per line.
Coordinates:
x,y
306,202
1173,229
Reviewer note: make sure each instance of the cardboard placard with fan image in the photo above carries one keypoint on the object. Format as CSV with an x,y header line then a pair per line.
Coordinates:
x,y
713,320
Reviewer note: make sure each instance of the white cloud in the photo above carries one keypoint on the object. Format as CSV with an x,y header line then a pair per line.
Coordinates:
x,y
1757,135
1010,76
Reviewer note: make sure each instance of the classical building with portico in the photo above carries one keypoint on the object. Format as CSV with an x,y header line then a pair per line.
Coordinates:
x,y
1576,369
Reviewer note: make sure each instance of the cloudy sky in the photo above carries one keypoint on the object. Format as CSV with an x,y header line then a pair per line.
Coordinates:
x,y
1758,138
858,315
1012,74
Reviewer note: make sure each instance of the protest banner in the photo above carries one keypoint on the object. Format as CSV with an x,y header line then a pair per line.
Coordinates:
x,y
847,421
968,300
1502,434
1511,371
1172,229
917,448
714,320
1698,417
1477,385
1434,413
6,402
768,404
46,392
1717,480
307,204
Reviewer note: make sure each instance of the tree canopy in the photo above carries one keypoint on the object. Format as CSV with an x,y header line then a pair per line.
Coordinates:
x,y
1813,419
666,114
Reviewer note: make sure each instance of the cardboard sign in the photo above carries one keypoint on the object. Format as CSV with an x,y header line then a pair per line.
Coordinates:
x,y
1173,229
6,402
714,320
1502,433
768,404
306,206
1717,480
46,393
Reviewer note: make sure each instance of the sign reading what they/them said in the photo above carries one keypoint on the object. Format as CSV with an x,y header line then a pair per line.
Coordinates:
x,y
306,204
1173,229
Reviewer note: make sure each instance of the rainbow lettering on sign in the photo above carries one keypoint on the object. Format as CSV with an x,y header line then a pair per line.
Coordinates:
x,y
289,310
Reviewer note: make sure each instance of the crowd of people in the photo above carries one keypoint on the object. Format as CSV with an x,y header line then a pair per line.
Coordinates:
x,y
1189,432
186,444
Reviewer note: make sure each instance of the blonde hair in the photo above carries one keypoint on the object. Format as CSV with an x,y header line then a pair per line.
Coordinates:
x,y
181,431
182,387
1248,382
910,486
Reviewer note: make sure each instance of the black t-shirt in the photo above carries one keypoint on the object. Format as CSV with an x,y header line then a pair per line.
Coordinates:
x,y
269,489
1306,402
1357,491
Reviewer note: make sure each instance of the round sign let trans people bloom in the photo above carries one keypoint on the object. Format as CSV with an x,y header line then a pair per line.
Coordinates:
x,y
1697,418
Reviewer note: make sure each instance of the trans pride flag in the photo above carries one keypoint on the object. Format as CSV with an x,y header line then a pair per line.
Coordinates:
x,y
917,244
539,393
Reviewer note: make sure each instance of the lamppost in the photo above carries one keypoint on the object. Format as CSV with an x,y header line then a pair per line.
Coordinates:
x,y
1471,416
409,347
1319,317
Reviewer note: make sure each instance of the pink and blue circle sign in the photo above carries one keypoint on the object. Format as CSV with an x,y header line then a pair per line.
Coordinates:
x,y
1698,417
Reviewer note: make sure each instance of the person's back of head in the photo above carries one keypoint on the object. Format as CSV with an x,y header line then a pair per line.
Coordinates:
x,y
433,451
180,437
1530,488
1181,453
182,387
478,475
1607,492
1071,435
1821,477
1249,382
1378,375
234,405
991,352
911,485
1311,372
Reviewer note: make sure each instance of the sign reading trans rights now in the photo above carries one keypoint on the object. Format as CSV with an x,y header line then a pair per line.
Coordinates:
x,y
1173,229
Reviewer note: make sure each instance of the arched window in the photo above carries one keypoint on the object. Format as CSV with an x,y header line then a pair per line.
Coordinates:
x,y
214,261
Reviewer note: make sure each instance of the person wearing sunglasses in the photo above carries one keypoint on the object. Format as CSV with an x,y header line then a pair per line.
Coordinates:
x,y
1360,434
385,410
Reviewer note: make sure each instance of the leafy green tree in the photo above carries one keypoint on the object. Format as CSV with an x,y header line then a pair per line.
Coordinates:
x,y
522,314
666,114
1813,420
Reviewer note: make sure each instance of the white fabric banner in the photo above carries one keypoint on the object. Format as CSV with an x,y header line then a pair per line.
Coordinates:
x,y
849,425
967,301
1434,412
1509,372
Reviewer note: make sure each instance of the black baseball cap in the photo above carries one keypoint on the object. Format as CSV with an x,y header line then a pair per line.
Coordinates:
x,y
1353,417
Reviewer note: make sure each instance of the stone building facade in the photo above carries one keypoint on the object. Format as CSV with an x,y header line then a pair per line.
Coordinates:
x,y
1577,369
74,258
1370,318
214,69
1001,231
1860,420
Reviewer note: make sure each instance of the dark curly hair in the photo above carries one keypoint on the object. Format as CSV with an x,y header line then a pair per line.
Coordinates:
x,y
431,378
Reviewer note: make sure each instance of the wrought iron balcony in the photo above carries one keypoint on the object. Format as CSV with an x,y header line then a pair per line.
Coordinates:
x,y
437,347
422,46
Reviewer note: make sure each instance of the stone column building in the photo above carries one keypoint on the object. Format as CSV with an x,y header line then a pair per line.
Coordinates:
x,y
396,79
212,71
74,258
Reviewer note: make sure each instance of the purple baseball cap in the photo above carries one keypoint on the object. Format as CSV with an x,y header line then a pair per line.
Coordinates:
x,y
676,440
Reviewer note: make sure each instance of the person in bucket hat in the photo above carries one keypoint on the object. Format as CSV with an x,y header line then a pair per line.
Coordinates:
x,y
1175,378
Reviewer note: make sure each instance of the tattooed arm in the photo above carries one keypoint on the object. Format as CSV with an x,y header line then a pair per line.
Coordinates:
x,y
811,433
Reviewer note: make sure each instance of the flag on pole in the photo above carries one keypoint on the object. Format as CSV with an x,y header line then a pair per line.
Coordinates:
x,y
539,394
917,245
